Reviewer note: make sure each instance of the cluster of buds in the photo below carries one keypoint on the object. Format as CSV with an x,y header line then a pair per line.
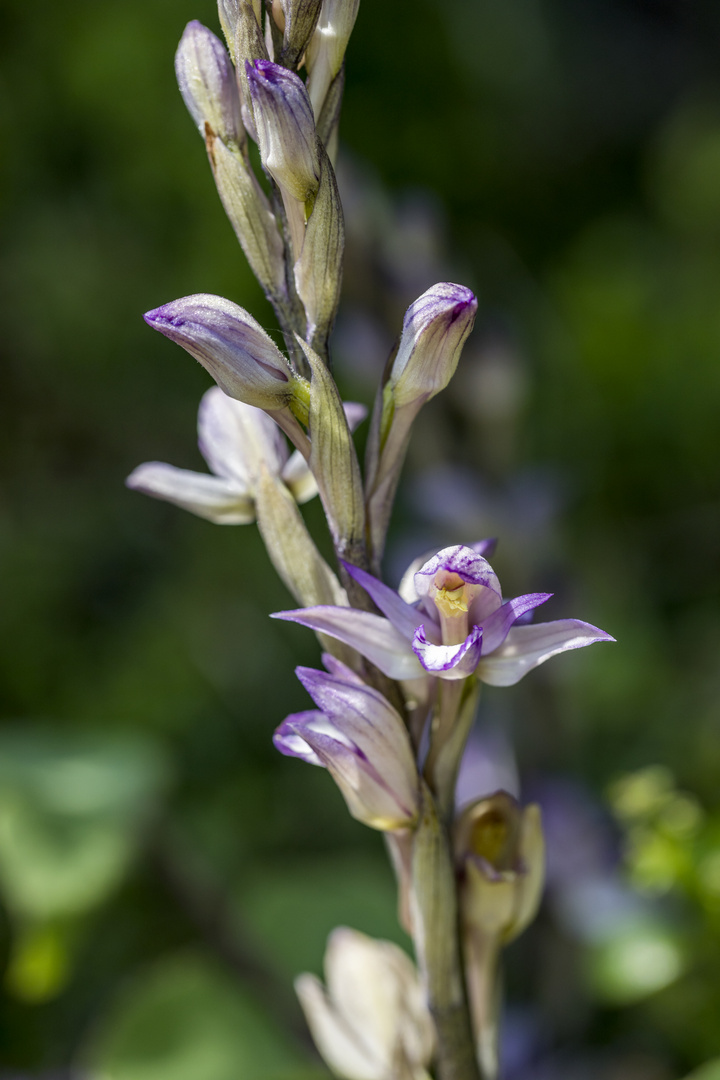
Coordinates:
x,y
397,698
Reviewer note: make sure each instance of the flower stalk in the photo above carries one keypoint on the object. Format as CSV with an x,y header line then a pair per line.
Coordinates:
x,y
399,693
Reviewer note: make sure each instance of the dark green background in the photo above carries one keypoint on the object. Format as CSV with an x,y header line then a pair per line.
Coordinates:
x,y
563,159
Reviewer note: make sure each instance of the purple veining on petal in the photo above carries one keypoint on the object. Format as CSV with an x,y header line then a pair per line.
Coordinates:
x,y
337,699
404,618
497,626
212,327
460,560
372,635
449,661
290,742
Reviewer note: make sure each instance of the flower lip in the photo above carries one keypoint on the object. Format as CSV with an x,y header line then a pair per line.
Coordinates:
x,y
457,564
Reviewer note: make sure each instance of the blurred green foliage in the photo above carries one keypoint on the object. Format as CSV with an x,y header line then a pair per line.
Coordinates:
x,y
163,873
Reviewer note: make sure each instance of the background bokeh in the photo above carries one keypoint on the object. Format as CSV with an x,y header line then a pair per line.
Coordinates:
x,y
163,873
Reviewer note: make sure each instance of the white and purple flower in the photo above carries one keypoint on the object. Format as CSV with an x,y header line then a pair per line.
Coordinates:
x,y
449,620
361,740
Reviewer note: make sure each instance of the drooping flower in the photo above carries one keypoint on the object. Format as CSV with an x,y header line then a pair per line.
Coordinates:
x,y
361,740
237,441
372,1021
450,622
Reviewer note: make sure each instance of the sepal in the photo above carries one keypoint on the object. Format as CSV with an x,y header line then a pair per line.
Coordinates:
x,y
333,459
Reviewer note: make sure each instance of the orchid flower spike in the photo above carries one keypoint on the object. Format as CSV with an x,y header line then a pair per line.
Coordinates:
x,y
362,741
372,1022
237,441
449,621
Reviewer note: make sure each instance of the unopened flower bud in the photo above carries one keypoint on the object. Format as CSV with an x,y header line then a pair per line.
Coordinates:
x,y
434,331
363,743
372,1021
300,19
501,849
242,359
326,50
285,128
207,83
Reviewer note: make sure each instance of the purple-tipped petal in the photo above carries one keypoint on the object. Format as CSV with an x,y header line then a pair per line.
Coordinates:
x,y
526,647
225,502
434,331
288,740
497,626
364,743
242,359
371,635
449,661
463,561
404,618
285,128
237,439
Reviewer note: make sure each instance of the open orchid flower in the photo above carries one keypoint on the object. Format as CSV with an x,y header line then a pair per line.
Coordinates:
x,y
237,441
450,622
361,740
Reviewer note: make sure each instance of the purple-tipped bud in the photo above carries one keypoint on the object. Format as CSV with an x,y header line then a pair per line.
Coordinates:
x,y
242,359
207,83
434,331
362,741
285,129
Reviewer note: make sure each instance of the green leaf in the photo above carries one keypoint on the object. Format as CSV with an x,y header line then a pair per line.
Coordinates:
x,y
71,806
292,910
186,1020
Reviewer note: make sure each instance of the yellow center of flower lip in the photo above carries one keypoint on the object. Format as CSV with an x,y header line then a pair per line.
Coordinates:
x,y
451,602
489,838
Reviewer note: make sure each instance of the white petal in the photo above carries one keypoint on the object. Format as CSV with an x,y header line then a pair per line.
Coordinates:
x,y
335,1041
373,636
526,647
223,501
376,988
235,438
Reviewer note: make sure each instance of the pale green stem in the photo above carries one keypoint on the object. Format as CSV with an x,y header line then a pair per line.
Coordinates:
x,y
436,938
